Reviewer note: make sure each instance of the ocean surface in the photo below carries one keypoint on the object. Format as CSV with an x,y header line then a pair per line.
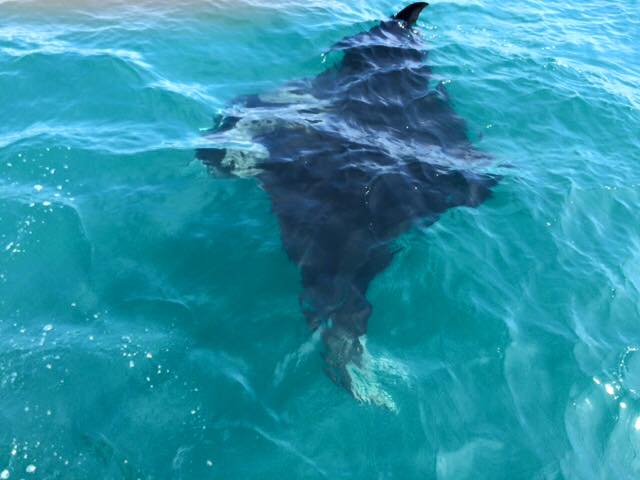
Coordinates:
x,y
149,318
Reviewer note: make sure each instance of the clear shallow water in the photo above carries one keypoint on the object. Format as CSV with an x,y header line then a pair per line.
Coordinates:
x,y
149,320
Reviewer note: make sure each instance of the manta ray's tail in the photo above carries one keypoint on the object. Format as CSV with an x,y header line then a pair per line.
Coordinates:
x,y
338,304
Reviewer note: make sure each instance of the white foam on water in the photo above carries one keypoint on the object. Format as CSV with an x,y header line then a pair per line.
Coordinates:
x,y
296,357
367,380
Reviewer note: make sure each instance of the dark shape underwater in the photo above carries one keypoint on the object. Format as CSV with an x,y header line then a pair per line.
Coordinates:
x,y
352,159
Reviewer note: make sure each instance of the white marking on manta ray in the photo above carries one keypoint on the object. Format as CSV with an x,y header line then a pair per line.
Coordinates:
x,y
287,95
242,163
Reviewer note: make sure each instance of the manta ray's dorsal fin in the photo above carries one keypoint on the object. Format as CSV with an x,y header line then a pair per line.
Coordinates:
x,y
411,13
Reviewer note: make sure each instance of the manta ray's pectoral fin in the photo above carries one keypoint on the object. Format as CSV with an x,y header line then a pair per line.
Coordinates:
x,y
421,193
468,189
411,13
482,186
449,188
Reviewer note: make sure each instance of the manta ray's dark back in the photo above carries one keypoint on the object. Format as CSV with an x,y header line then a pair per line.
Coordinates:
x,y
350,160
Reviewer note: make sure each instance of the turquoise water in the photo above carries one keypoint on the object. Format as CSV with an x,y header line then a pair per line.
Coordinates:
x,y
149,317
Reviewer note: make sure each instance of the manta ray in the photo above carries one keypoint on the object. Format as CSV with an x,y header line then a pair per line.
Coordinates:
x,y
350,160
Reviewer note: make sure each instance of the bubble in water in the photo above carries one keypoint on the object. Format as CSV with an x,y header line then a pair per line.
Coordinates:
x,y
5,474
30,469
629,370
297,357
